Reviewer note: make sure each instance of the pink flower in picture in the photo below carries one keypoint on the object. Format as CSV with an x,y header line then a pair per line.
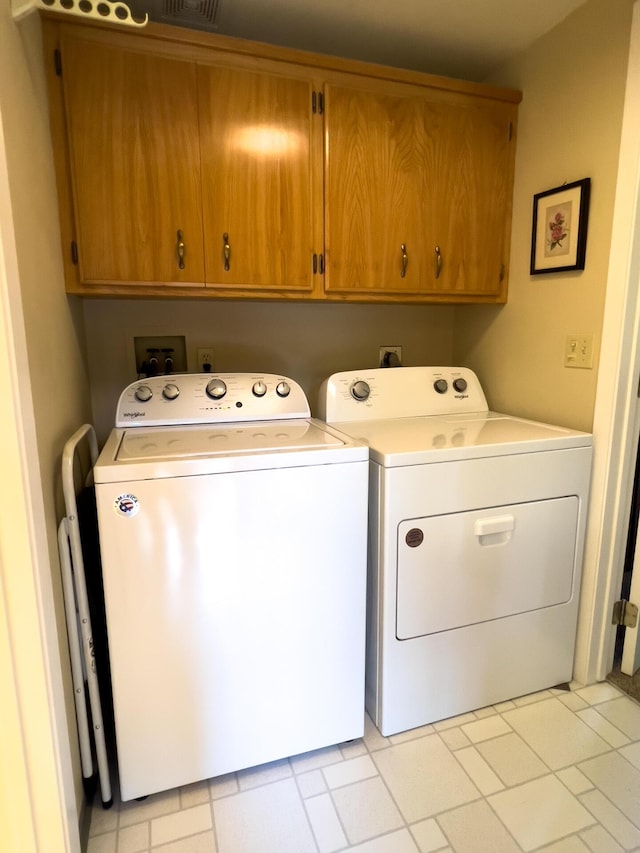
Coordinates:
x,y
558,220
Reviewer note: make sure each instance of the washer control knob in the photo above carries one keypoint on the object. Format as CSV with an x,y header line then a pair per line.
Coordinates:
x,y
460,384
143,393
259,389
283,389
170,391
216,389
441,386
360,390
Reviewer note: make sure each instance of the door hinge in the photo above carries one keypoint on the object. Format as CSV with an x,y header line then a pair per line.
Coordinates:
x,y
74,252
624,613
57,62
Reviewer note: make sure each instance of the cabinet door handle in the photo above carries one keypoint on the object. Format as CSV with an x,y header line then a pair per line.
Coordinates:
x,y
405,259
438,261
180,250
226,250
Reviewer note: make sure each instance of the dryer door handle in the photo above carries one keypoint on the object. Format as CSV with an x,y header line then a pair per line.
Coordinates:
x,y
495,524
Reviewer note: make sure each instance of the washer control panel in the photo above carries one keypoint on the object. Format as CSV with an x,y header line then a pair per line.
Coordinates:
x,y
203,398
401,392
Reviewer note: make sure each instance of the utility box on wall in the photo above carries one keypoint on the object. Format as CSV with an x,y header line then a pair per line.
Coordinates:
x,y
160,354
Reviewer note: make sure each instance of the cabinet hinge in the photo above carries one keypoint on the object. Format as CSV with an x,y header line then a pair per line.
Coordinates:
x,y
624,613
74,252
57,62
317,102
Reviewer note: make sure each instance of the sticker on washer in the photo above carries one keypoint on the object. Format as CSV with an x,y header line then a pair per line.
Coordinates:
x,y
414,537
126,505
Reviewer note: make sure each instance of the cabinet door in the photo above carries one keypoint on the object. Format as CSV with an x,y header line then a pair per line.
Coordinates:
x,y
374,192
133,134
262,174
470,162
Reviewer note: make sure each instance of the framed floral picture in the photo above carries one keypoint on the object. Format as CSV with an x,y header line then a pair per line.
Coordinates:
x,y
559,234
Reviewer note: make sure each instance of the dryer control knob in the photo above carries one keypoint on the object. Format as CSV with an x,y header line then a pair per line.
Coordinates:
x,y
143,393
441,386
283,389
170,391
360,390
460,384
259,389
216,389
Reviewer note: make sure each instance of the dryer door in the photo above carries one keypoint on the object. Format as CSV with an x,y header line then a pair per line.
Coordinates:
x,y
468,567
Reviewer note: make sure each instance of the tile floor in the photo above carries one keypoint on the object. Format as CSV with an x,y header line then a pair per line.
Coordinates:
x,y
556,771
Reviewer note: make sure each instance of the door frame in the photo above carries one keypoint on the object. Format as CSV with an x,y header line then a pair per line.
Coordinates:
x,y
616,424
38,811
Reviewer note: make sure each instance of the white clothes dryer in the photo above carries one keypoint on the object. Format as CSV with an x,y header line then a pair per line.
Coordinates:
x,y
233,534
477,524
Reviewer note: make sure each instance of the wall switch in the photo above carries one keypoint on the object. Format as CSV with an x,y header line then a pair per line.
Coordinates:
x,y
205,359
578,351
390,356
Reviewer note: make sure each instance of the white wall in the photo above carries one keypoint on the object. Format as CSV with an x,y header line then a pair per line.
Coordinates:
x,y
569,126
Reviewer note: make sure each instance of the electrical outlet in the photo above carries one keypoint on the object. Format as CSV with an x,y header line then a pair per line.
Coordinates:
x,y
390,356
205,359
578,351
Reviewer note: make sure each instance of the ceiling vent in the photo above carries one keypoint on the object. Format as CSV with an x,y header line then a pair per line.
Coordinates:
x,y
198,14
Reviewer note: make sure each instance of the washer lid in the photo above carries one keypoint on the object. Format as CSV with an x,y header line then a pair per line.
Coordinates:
x,y
156,452
418,441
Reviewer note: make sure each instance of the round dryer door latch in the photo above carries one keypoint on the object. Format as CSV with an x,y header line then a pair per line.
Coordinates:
x,y
414,537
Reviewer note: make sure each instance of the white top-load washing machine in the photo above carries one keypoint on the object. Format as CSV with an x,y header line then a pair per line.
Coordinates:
x,y
477,524
233,534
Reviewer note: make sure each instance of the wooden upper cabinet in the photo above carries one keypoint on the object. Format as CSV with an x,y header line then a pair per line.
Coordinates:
x,y
197,165
470,163
132,124
375,186
261,180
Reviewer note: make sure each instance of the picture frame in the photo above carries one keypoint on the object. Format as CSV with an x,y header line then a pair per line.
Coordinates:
x,y
559,232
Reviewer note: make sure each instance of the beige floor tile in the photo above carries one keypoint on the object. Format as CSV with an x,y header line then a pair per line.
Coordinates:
x,y
424,778
612,819
366,810
631,753
269,819
316,759
223,786
204,842
311,784
574,780
353,749
624,713
556,734
348,772
325,824
594,694
512,759
133,839
105,843
180,824
395,842
484,729
475,827
618,780
194,795
477,768
540,812
572,701
573,844
607,731
454,738
428,836
598,840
